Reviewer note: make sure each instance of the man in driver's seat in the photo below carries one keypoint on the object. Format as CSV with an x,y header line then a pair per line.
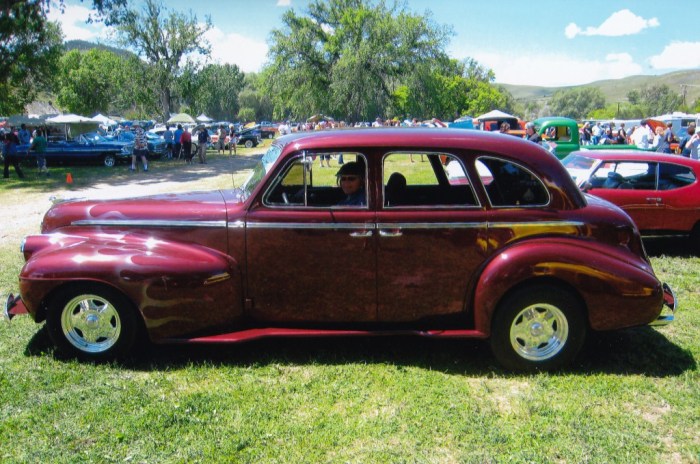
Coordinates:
x,y
351,179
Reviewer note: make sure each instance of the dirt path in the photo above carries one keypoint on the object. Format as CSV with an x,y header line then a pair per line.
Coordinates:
x,y
23,217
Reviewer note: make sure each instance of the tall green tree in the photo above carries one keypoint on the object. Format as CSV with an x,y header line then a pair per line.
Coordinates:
x,y
86,81
219,86
347,57
577,103
31,46
655,100
163,38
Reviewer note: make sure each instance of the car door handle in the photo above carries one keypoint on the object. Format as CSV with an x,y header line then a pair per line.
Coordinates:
x,y
361,234
390,233
654,199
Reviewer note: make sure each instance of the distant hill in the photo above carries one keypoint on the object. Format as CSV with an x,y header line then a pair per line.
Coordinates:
x,y
615,90
84,45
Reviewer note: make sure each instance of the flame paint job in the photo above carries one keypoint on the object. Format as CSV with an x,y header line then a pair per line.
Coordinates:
x,y
223,266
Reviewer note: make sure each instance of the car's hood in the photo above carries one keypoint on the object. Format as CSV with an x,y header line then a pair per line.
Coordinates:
x,y
196,208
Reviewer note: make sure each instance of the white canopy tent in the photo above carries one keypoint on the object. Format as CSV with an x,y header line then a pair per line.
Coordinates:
x,y
204,118
495,114
181,118
70,118
104,120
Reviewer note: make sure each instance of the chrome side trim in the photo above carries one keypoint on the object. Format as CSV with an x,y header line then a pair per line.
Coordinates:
x,y
312,225
508,225
147,223
431,225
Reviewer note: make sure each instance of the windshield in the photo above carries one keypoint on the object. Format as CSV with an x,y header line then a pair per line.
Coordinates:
x,y
261,169
94,137
574,161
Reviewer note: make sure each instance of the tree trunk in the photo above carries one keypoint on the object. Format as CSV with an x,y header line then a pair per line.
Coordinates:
x,y
165,102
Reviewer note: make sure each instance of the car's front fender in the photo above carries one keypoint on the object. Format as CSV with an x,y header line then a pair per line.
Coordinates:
x,y
618,288
179,288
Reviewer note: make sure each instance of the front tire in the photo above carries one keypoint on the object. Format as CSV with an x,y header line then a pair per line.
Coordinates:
x,y
249,144
109,160
92,322
538,328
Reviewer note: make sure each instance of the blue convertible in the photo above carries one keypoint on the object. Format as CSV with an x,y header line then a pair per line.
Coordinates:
x,y
86,148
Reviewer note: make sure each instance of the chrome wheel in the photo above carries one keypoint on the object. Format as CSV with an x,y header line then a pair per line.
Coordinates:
x,y
110,161
539,332
538,327
90,323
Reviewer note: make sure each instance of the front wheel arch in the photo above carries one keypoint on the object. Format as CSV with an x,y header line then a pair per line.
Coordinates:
x,y
538,327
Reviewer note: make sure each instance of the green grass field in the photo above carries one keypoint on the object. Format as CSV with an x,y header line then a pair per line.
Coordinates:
x,y
632,396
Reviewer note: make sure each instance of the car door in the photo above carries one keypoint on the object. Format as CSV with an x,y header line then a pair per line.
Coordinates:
x,y
431,238
309,261
633,186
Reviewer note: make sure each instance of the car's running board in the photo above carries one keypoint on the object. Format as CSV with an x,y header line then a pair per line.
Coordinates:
x,y
253,334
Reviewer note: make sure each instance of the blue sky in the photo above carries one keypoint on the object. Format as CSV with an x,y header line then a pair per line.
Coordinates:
x,y
535,42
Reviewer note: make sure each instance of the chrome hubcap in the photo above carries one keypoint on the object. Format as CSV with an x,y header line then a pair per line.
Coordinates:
x,y
90,323
539,332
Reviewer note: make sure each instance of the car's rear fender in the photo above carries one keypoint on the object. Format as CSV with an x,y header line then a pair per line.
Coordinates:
x,y
618,288
179,288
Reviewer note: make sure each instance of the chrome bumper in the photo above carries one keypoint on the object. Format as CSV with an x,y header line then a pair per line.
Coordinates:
x,y
13,306
668,309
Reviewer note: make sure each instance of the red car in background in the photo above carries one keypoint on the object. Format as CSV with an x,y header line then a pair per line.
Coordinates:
x,y
660,192
512,251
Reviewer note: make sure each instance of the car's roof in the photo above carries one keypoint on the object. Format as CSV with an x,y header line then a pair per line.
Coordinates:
x,y
636,155
418,138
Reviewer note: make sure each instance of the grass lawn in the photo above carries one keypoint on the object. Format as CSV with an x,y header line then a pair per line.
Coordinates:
x,y
632,396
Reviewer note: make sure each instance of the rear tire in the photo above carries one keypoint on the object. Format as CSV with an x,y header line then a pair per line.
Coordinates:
x,y
538,328
249,144
92,322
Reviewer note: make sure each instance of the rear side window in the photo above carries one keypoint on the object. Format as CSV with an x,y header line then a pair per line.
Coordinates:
x,y
673,176
425,180
509,184
638,175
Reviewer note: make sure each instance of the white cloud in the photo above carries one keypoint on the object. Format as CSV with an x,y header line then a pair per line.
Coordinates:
x,y
678,55
620,23
556,70
284,2
233,48
74,24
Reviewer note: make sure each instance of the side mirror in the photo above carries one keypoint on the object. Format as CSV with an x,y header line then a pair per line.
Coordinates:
x,y
586,186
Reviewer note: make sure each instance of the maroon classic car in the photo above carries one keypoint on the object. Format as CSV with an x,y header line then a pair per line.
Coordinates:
x,y
660,192
486,237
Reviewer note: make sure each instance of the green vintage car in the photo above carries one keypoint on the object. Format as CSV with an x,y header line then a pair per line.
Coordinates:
x,y
563,135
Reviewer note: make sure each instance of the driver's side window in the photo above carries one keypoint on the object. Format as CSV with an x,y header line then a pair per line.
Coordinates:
x,y
314,180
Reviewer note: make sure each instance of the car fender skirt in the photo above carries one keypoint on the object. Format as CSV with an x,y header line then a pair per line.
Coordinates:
x,y
617,287
177,287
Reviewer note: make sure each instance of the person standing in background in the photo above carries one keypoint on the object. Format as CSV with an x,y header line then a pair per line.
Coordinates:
x,y
9,152
203,140
140,147
168,137
177,145
39,145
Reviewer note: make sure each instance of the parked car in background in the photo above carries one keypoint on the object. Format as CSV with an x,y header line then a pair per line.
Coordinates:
x,y
156,144
660,192
515,253
562,134
88,148
249,138
267,130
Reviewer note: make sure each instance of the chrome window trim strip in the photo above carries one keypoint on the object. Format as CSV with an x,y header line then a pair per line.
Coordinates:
x,y
147,223
405,225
